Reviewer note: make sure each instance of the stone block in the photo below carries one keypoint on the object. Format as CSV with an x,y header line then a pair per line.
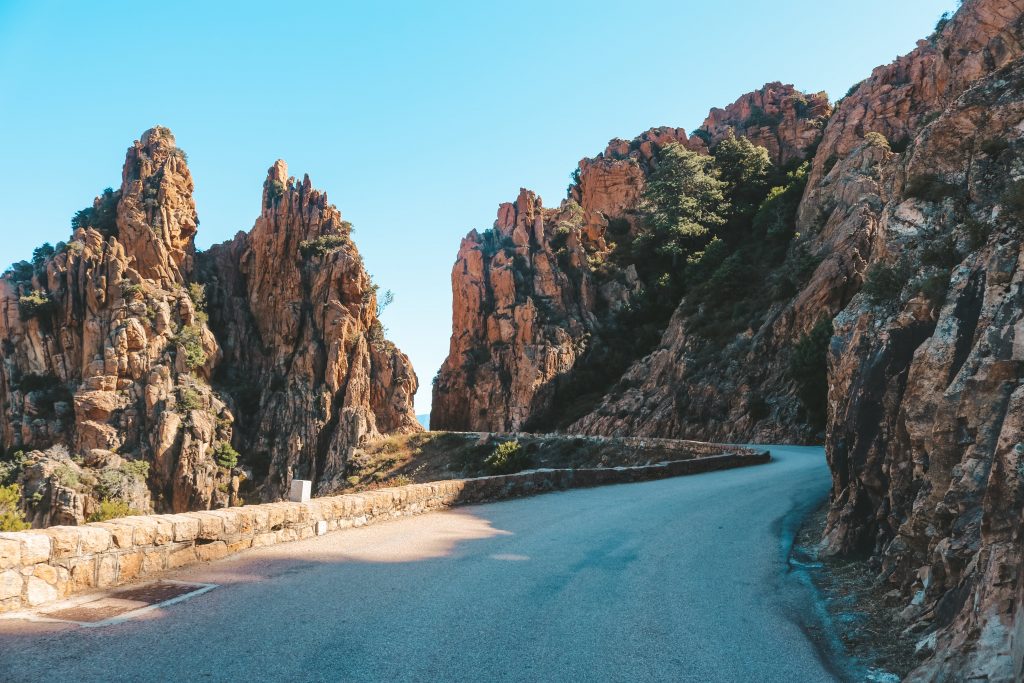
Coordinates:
x,y
261,519
181,556
154,560
239,545
144,531
212,551
269,538
106,570
38,591
11,583
10,552
81,574
230,520
275,515
63,541
300,491
121,533
129,566
211,526
93,539
186,528
35,548
164,530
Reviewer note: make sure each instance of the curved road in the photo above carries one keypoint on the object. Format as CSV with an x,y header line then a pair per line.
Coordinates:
x,y
682,579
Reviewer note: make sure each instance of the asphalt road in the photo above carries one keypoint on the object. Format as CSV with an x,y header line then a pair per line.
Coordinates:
x,y
676,580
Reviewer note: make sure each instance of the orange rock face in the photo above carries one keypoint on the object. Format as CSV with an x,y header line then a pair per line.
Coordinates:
x,y
783,120
530,297
924,435
303,348
510,285
106,351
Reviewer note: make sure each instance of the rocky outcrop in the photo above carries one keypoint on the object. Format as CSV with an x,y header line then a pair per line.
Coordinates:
x,y
910,223
925,437
534,295
96,338
305,356
519,316
898,99
778,117
106,351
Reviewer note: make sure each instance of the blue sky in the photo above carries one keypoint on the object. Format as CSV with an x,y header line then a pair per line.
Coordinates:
x,y
418,119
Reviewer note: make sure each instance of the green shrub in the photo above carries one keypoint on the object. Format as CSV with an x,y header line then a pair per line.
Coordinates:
x,y
275,190
934,285
36,304
931,188
776,217
759,118
224,455
808,367
884,282
994,146
325,244
11,516
40,256
875,139
977,233
129,291
1012,199
188,400
111,509
744,167
67,477
101,216
179,153
118,483
683,203
11,465
941,253
197,293
190,339
137,468
506,458
21,271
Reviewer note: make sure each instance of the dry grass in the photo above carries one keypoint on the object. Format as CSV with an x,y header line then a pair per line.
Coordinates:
x,y
866,613
429,456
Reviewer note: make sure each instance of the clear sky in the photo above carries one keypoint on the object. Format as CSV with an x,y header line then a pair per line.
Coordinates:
x,y
418,119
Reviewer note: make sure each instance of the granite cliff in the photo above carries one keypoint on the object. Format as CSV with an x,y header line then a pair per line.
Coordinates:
x,y
118,393
541,300
889,331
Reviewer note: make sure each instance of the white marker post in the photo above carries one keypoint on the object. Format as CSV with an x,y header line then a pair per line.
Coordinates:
x,y
300,491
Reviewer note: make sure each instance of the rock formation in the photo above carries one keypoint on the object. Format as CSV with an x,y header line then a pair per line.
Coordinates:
x,y
778,117
107,357
304,353
532,296
909,229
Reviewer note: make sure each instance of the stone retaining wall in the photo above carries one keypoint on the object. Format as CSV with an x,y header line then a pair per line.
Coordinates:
x,y
37,567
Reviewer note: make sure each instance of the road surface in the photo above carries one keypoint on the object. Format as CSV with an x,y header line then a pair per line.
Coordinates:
x,y
681,579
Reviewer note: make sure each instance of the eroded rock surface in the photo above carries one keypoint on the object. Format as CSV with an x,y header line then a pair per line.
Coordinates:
x,y
533,295
917,188
304,352
106,351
